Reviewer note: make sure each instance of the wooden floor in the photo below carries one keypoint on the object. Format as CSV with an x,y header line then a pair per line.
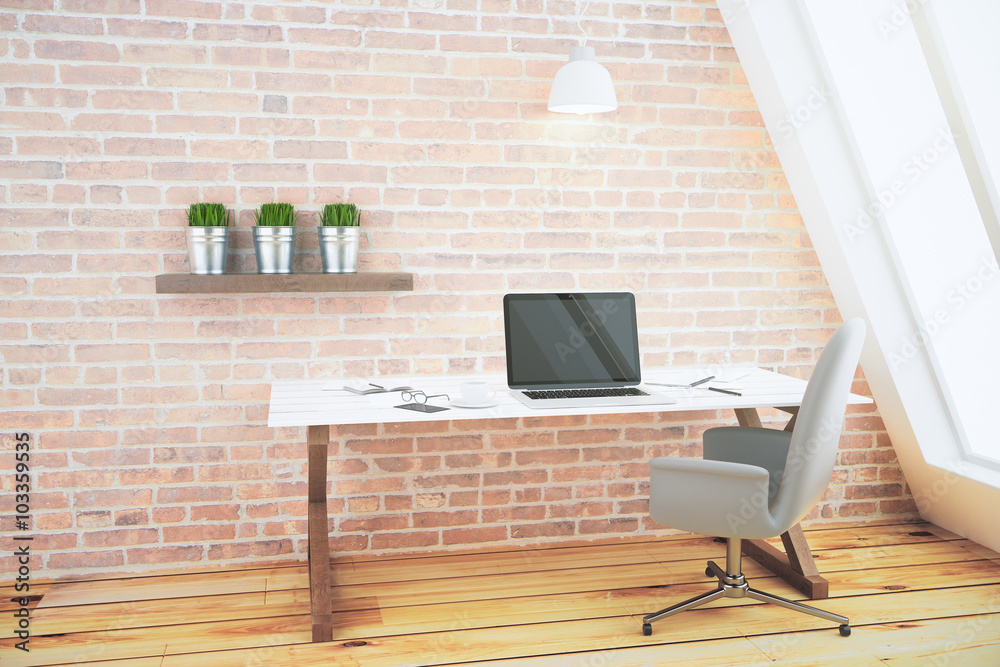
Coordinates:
x,y
915,594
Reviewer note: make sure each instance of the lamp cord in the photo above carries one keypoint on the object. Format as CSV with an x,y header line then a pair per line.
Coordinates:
x,y
579,22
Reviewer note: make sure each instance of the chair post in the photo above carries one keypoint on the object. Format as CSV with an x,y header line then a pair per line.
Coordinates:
x,y
734,558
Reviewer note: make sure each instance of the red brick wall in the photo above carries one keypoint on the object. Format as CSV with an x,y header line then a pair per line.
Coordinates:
x,y
147,413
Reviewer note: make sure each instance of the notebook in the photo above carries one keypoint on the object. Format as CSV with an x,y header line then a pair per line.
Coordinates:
x,y
574,350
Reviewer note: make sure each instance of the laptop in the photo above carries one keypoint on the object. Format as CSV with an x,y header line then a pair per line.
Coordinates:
x,y
574,350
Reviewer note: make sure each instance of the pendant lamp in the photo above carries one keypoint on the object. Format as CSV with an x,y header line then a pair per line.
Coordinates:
x,y
582,86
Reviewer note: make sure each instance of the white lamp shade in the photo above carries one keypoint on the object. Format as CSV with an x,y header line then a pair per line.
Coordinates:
x,y
582,85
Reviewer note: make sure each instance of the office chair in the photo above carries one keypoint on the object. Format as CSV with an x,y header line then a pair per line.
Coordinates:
x,y
757,483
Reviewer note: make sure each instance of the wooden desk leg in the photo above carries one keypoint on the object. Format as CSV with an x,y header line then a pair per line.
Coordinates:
x,y
319,536
748,417
796,565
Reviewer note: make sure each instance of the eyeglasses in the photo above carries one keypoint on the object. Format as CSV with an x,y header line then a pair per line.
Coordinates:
x,y
419,397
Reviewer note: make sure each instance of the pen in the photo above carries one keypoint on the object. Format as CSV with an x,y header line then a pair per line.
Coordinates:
x,y
724,391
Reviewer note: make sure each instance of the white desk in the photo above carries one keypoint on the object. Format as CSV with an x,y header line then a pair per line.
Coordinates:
x,y
306,403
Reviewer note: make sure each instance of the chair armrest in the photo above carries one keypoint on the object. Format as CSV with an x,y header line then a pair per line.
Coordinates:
x,y
718,498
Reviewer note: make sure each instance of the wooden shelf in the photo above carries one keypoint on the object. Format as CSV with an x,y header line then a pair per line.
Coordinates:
x,y
242,283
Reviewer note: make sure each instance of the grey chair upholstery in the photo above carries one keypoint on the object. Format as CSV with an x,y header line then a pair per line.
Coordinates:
x,y
757,483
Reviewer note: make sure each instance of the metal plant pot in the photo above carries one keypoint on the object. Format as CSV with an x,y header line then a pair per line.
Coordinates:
x,y
338,248
275,248
207,248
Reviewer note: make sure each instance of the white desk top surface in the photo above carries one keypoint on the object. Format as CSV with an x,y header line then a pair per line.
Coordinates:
x,y
319,402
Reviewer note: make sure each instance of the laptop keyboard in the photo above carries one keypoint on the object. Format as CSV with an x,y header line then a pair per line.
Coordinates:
x,y
584,393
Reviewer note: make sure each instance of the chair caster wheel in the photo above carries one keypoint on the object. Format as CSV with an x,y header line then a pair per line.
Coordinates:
x,y
845,630
647,629
708,572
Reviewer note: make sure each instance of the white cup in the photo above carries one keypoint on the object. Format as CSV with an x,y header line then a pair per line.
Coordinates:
x,y
477,392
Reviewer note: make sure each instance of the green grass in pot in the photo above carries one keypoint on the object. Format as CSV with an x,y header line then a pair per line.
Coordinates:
x,y
275,215
340,215
208,215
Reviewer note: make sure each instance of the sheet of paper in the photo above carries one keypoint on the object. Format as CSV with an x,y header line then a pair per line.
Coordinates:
x,y
359,386
678,376
687,375
731,374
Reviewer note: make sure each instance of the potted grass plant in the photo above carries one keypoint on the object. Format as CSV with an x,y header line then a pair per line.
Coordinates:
x,y
274,238
339,238
207,238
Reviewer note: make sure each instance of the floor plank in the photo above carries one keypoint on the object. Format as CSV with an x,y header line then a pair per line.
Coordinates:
x,y
160,588
125,662
866,536
987,655
911,643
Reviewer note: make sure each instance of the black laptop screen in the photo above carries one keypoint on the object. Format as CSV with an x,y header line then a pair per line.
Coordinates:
x,y
571,340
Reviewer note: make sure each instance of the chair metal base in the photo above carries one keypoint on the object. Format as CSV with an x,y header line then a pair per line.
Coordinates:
x,y
732,584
